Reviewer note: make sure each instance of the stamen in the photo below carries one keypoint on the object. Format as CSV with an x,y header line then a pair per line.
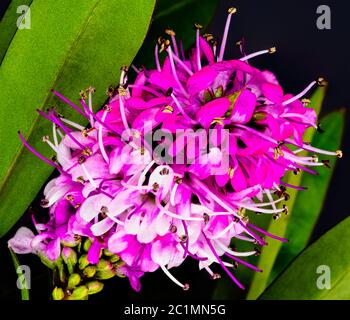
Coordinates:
x,y
267,233
31,149
222,264
315,150
156,56
231,11
183,65
301,94
91,90
172,34
91,180
172,278
198,50
235,253
64,99
73,124
100,137
259,53
243,262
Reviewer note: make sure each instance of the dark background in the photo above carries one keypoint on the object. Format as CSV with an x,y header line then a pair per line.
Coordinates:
x,y
304,53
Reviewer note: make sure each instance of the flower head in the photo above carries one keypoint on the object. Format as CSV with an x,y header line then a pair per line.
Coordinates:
x,y
135,182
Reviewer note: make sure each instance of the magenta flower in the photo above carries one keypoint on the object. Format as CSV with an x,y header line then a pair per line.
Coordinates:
x,y
135,182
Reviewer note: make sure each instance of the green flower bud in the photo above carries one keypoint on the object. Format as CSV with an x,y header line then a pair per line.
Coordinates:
x,y
115,258
89,271
83,262
107,253
69,256
47,262
117,269
79,293
57,293
94,286
73,280
61,272
87,244
105,270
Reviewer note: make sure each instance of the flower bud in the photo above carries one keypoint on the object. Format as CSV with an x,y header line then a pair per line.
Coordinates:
x,y
89,271
47,262
61,272
114,258
107,253
57,293
105,270
79,293
87,244
83,262
73,280
94,286
69,256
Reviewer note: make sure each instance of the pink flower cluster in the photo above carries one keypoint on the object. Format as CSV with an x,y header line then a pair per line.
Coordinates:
x,y
153,213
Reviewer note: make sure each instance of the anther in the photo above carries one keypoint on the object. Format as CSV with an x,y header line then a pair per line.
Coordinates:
x,y
183,238
77,237
83,95
155,187
276,216
81,159
169,92
232,10
231,172
121,91
168,109
208,37
46,138
339,154
272,50
186,287
198,26
173,228
286,196
326,163
69,197
87,152
91,90
257,252
178,180
306,101
216,276
44,202
124,68
81,180
170,32
107,108
164,171
285,209
110,91
206,218
322,82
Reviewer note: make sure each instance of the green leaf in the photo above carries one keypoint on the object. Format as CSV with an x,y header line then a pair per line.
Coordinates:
x,y
308,204
71,45
269,253
167,15
8,25
24,290
299,281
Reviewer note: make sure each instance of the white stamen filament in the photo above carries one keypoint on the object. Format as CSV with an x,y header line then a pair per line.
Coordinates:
x,y
224,38
171,277
73,124
244,238
311,148
144,173
173,194
301,94
91,180
54,133
255,54
235,253
100,138
300,116
157,58
223,232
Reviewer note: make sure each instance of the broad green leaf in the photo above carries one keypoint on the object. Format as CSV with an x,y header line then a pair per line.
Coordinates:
x,y
8,24
308,204
71,45
180,16
303,279
269,253
16,264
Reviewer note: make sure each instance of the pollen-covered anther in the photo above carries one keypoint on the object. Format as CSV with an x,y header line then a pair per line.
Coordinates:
x,y
164,45
231,172
87,152
198,26
276,216
339,154
232,10
208,36
218,121
81,180
83,94
178,180
155,187
322,82
81,159
257,252
272,50
103,212
206,218
241,212
168,109
184,238
286,196
121,91
170,32
91,90
306,101
164,171
70,198
285,209
124,68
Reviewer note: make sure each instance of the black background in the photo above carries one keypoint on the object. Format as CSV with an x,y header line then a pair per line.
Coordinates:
x,y
304,53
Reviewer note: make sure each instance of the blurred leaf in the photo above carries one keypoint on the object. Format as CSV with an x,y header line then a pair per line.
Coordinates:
x,y
269,253
180,16
300,280
308,204
70,46
24,290
8,25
